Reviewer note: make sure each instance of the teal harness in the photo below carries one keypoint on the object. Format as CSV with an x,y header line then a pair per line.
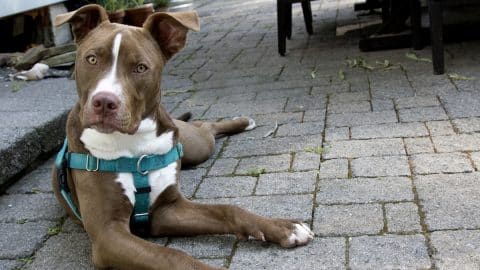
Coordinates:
x,y
139,167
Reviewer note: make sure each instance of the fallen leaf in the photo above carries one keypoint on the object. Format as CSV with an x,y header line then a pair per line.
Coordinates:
x,y
458,77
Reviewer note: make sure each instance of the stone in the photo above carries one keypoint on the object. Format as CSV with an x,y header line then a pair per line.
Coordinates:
x,y
314,115
441,163
213,187
35,182
337,134
450,201
456,249
299,129
364,190
380,166
417,101
402,217
218,110
460,105
207,246
64,251
348,220
360,119
268,163
223,166
190,179
389,251
467,125
321,253
382,105
363,148
422,114
437,128
455,143
418,145
9,264
280,118
286,183
475,156
33,207
305,103
298,207
349,97
392,130
351,107
334,168
306,161
26,237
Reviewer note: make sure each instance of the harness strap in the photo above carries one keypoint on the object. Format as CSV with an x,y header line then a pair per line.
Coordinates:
x,y
139,167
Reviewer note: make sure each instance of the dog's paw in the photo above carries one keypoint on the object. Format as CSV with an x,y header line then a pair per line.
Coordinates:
x,y
301,235
251,123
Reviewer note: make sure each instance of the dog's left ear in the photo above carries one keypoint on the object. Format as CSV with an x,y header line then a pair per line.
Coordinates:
x,y
83,20
170,29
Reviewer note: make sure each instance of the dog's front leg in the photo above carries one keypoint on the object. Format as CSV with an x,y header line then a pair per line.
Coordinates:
x,y
184,217
115,247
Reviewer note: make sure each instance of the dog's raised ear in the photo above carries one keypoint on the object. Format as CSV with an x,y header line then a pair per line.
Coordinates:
x,y
170,29
83,20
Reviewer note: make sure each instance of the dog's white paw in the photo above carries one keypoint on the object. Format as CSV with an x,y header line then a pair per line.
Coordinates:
x,y
301,235
251,122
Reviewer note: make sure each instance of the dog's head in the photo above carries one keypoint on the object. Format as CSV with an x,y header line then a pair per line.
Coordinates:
x,y
118,68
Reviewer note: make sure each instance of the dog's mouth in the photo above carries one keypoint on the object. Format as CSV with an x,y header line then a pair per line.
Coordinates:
x,y
107,126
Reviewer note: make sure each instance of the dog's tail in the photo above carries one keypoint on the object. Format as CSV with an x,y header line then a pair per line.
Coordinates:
x,y
185,117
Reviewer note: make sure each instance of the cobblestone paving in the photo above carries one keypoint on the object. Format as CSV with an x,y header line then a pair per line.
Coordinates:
x,y
382,164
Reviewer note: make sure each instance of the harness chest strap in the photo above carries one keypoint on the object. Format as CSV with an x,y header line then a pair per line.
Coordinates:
x,y
139,167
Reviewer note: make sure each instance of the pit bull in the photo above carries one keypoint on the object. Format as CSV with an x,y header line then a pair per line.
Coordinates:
x,y
118,116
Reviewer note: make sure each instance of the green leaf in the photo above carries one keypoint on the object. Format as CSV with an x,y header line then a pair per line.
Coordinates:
x,y
317,150
256,171
22,221
413,56
54,230
341,75
313,74
458,77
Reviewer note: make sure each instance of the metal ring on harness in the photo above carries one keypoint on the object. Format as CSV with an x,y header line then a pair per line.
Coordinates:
x,y
88,162
139,163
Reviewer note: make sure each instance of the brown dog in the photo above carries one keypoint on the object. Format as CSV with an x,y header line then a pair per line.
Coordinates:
x,y
118,115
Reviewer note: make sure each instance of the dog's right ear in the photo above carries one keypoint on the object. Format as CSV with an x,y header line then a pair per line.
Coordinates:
x,y
83,20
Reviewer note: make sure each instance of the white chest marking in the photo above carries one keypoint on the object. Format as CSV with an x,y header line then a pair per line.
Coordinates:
x,y
143,142
110,82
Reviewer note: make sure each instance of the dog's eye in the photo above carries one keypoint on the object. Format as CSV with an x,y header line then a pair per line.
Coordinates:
x,y
140,68
92,60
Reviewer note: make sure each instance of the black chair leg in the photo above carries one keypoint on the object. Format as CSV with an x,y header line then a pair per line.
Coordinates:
x,y
281,27
436,32
416,17
288,13
307,15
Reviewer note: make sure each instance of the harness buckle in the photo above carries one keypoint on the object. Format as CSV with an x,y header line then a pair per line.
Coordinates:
x,y
88,163
139,163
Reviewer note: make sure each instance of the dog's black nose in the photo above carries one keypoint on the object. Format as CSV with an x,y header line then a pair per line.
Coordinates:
x,y
105,103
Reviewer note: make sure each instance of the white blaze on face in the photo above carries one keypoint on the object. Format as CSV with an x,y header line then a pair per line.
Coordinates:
x,y
110,82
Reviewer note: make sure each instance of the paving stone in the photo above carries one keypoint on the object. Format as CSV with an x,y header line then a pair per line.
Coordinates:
x,y
258,133
418,145
363,148
441,163
306,161
440,128
299,129
475,156
34,182
189,180
364,190
349,97
213,187
360,119
334,168
321,253
450,201
343,220
223,166
461,105
380,166
467,125
422,114
402,217
286,183
214,262
314,115
382,104
455,143
26,237
245,109
271,146
64,251
32,207
282,93
351,107
269,163
280,118
456,249
417,101
9,264
305,103
389,131
71,227
207,246
297,207
389,252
